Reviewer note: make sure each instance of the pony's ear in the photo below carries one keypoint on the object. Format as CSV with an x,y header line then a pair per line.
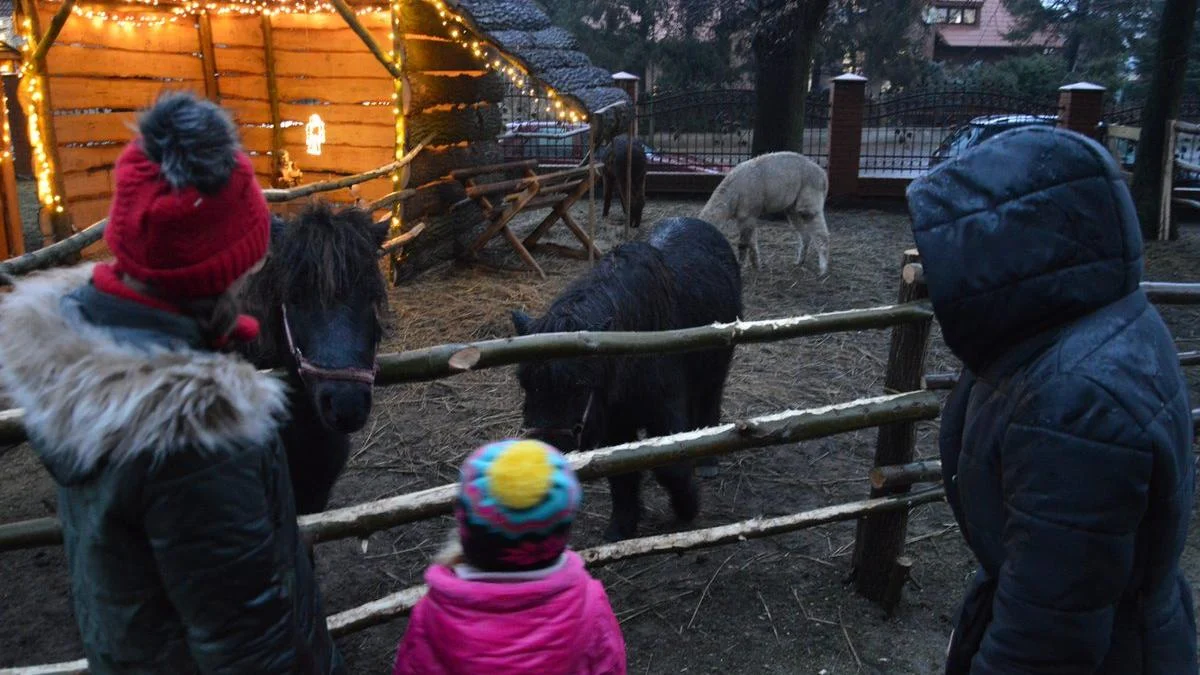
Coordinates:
x,y
379,231
521,321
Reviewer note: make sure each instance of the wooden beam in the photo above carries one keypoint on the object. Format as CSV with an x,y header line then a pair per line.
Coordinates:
x,y
1167,293
14,228
905,474
400,603
398,67
365,35
791,426
504,167
54,254
328,186
273,100
880,539
56,25
59,218
442,361
208,54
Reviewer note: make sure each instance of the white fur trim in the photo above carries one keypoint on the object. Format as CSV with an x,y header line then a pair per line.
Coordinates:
x,y
87,397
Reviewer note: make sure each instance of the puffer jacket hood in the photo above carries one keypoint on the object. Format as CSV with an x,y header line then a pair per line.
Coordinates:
x,y
560,624
95,395
1009,254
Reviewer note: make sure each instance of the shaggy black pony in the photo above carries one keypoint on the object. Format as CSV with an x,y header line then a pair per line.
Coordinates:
x,y
686,275
320,296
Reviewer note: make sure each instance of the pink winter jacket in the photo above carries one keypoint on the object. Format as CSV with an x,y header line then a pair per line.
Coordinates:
x,y
562,624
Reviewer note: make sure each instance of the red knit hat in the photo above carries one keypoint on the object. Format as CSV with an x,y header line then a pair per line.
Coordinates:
x,y
188,217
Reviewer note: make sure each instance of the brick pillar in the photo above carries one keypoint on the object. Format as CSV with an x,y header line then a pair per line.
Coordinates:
x,y
847,99
1081,107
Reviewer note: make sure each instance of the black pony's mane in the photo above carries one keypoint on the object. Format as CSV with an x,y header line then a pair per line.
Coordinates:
x,y
629,289
318,259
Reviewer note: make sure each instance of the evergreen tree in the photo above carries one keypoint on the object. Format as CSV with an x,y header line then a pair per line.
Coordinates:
x,y
1098,35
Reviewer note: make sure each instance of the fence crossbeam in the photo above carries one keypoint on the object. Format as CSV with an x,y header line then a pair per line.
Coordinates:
x,y
399,604
791,426
432,363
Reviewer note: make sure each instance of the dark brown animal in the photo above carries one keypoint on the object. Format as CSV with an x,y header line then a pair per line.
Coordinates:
x,y
615,156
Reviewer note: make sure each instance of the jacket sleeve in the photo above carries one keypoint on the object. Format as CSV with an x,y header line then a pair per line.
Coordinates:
x,y
212,529
1075,472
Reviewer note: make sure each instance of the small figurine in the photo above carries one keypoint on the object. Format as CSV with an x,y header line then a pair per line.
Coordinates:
x,y
289,173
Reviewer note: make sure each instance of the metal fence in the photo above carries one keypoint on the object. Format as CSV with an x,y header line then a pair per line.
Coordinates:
x,y
1129,113
905,134
712,131
701,132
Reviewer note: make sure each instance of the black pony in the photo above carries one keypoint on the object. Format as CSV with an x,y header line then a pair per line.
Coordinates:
x,y
320,296
686,275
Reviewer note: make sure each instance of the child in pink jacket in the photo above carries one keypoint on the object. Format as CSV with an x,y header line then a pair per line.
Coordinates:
x,y
507,596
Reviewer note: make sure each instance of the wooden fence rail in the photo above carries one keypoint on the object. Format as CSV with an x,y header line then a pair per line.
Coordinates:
x,y
399,604
443,361
68,248
361,520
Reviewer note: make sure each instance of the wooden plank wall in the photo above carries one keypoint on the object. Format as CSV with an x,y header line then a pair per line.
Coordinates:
x,y
100,74
321,67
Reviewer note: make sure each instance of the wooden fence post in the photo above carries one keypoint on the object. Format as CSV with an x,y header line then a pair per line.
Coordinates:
x,y
880,568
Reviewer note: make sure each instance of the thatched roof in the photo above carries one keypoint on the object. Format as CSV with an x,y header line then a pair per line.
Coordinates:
x,y
523,30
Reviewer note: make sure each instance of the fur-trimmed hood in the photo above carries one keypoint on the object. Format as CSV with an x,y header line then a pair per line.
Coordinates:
x,y
88,396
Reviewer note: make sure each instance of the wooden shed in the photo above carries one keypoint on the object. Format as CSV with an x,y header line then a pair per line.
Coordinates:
x,y
324,89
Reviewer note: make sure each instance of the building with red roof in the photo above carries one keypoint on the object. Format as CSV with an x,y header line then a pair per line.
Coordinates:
x,y
965,31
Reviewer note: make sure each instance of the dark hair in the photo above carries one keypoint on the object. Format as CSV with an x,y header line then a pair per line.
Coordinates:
x,y
217,316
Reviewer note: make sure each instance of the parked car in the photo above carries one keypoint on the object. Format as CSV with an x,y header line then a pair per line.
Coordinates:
x,y
566,145
980,129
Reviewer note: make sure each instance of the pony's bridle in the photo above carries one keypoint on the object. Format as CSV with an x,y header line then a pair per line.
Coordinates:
x,y
307,369
575,432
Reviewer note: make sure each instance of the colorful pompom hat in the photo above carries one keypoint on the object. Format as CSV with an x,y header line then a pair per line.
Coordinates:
x,y
517,500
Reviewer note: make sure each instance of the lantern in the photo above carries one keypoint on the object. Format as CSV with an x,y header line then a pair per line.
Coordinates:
x,y
314,134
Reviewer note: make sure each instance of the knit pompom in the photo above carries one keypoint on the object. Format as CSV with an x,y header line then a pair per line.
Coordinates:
x,y
193,141
521,475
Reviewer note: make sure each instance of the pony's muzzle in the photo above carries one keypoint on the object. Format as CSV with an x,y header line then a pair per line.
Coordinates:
x,y
343,405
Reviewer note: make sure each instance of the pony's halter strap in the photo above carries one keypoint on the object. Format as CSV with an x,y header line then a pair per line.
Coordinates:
x,y
308,369
575,432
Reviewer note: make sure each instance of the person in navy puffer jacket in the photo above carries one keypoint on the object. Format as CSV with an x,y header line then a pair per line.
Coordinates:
x,y
1067,444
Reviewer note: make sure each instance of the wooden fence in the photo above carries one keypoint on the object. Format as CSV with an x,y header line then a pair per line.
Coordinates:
x,y
880,568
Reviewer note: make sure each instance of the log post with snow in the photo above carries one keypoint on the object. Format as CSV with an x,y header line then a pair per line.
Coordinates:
x,y
879,542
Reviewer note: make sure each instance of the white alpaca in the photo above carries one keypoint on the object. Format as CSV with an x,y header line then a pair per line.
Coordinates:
x,y
777,182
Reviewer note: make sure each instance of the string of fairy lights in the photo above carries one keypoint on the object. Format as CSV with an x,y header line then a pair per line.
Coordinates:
x,y
458,29
34,89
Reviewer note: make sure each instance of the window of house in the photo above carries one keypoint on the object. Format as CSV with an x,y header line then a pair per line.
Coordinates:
x,y
956,15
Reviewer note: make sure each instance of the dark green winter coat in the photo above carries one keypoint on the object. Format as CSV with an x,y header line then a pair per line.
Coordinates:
x,y
174,495
1067,445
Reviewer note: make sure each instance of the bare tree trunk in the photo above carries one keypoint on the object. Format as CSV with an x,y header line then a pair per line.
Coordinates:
x,y
784,55
1162,105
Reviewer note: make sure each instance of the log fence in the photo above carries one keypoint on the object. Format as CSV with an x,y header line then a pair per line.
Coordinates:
x,y
880,568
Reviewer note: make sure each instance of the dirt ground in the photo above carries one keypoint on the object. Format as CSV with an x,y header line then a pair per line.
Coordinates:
x,y
769,606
